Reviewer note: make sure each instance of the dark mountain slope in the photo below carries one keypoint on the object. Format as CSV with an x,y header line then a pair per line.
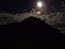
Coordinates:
x,y
30,29
31,33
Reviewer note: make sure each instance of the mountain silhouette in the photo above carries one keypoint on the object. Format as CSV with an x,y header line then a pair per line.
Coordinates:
x,y
30,29
30,33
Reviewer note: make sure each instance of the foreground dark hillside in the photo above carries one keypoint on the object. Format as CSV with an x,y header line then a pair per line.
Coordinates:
x,y
30,33
31,28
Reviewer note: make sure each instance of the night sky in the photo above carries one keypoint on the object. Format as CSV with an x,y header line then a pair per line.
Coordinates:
x,y
20,5
14,5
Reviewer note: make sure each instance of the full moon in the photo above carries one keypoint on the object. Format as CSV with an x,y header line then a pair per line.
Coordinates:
x,y
39,4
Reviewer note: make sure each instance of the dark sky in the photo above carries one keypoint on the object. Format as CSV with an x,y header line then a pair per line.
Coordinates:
x,y
14,5
19,5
